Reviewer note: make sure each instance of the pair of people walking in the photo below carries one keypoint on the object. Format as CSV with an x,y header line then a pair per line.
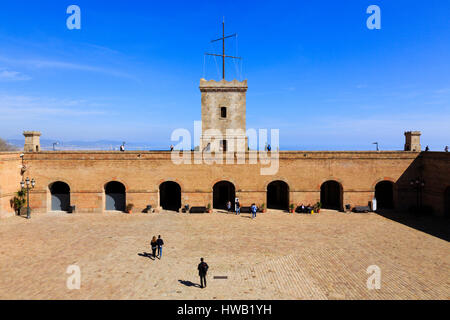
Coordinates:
x,y
202,268
157,244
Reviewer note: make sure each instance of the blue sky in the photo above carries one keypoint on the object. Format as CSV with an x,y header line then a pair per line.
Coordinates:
x,y
314,70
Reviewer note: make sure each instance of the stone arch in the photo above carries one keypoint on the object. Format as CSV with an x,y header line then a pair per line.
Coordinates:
x,y
381,180
384,194
115,196
106,181
331,195
277,194
228,179
171,179
332,178
223,191
170,195
266,184
59,196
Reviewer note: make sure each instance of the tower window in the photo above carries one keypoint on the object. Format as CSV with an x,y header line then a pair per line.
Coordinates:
x,y
223,112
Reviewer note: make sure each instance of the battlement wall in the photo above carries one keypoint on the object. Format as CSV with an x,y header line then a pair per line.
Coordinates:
x,y
142,173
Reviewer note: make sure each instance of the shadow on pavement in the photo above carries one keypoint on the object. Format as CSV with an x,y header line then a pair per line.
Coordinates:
x,y
146,255
436,226
189,283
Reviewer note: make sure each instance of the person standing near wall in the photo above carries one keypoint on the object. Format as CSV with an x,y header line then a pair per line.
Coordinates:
x,y
254,209
237,207
229,206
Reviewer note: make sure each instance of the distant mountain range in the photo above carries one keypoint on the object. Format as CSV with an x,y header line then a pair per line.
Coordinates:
x,y
105,145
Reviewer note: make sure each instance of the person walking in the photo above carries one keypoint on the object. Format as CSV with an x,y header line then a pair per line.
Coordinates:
x,y
254,209
160,244
154,246
202,271
446,149
229,206
238,207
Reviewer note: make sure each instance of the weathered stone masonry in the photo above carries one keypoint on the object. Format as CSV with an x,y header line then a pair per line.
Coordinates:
x,y
83,178
142,173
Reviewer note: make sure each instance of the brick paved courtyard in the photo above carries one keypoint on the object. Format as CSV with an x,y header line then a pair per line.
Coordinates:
x,y
276,256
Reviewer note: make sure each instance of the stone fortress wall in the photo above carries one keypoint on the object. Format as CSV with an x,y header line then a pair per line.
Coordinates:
x,y
94,181
142,173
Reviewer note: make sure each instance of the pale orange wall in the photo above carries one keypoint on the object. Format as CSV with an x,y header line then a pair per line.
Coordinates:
x,y
9,180
142,172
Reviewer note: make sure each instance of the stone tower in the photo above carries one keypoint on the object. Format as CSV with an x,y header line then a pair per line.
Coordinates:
x,y
412,141
32,141
223,115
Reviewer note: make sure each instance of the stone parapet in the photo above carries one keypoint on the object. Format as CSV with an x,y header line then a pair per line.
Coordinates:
x,y
223,85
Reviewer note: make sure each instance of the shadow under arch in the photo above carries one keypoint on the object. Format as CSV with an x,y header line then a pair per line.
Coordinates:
x,y
223,191
60,196
384,194
278,195
331,195
170,195
115,196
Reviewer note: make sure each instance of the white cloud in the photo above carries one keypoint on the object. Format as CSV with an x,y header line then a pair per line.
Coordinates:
x,y
6,75
55,64
12,106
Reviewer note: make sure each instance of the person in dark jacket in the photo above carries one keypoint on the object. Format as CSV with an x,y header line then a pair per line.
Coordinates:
x,y
154,246
160,244
237,207
202,270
